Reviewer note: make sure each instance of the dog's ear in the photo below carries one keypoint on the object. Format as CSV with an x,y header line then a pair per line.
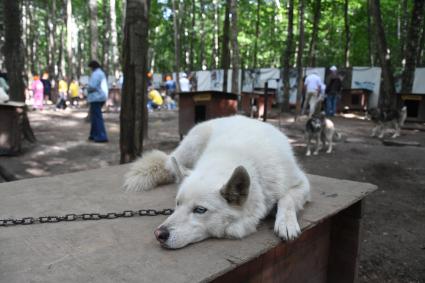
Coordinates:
x,y
180,171
236,190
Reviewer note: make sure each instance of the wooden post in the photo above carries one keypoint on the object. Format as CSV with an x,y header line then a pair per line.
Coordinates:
x,y
266,101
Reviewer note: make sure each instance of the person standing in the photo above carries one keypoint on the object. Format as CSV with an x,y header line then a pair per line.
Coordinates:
x,y
47,87
37,93
333,90
313,85
62,90
74,93
184,83
97,93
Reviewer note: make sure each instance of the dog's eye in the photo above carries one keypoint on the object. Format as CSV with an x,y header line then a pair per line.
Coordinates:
x,y
199,210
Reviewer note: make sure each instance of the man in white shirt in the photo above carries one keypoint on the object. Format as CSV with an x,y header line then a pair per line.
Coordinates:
x,y
313,85
184,83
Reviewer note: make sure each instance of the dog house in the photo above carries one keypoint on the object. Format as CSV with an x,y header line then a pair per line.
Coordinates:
x,y
415,104
199,106
11,119
125,249
354,99
255,100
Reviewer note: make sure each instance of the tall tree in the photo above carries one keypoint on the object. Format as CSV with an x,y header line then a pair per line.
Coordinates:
x,y
235,46
94,38
114,42
107,36
288,55
314,35
202,36
176,23
225,50
412,48
133,105
403,28
14,56
421,50
347,35
69,30
388,99
257,33
300,54
214,63
192,37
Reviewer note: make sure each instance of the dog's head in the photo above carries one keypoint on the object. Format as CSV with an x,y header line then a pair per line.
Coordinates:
x,y
315,124
205,208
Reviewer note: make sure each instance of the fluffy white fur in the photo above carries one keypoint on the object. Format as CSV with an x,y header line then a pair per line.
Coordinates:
x,y
235,170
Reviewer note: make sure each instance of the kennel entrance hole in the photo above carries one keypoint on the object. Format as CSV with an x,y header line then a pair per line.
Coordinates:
x,y
200,113
412,108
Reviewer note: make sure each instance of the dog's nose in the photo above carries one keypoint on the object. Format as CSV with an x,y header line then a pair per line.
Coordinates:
x,y
162,234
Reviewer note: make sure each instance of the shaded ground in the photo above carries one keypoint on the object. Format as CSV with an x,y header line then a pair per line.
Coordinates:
x,y
393,249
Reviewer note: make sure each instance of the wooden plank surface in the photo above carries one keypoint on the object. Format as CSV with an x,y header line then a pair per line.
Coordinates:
x,y
125,250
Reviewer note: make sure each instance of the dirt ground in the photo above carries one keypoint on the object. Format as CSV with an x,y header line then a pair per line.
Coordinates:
x,y
393,247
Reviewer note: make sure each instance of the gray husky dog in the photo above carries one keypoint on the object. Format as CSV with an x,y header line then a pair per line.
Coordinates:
x,y
321,129
385,119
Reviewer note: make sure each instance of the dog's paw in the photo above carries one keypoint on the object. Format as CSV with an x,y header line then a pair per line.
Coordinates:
x,y
308,153
315,153
287,230
329,151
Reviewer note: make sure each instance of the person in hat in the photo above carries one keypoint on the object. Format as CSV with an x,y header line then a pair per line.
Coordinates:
x,y
97,93
333,90
184,83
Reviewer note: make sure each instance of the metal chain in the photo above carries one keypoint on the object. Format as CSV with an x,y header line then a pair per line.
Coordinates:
x,y
83,217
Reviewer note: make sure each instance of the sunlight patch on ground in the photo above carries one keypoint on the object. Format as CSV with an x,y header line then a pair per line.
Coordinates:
x,y
37,172
353,116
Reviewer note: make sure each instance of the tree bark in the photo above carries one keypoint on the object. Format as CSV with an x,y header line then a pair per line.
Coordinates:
x,y
176,16
214,63
202,60
13,50
133,105
412,47
94,38
114,42
106,37
69,51
287,56
419,59
347,35
257,34
369,35
235,46
403,30
192,38
300,55
225,50
315,33
387,100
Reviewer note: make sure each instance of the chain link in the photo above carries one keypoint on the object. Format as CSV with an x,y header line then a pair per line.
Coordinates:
x,y
83,217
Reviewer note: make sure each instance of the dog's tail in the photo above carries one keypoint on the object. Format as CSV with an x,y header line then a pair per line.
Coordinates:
x,y
403,115
148,172
337,135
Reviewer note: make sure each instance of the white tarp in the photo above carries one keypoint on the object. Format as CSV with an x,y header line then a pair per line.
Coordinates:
x,y
367,78
419,81
213,80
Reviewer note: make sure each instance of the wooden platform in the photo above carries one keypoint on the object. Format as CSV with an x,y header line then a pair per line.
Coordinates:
x,y
125,250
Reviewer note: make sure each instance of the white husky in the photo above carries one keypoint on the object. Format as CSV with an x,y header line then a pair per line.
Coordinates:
x,y
233,171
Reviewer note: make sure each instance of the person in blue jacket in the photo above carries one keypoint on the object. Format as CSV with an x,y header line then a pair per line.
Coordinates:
x,y
97,93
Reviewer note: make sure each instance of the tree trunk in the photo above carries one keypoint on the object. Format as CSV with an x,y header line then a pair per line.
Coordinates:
x,y
403,30
315,33
202,60
94,38
235,46
214,63
287,56
69,53
133,105
114,43
225,51
421,47
192,38
347,35
257,34
412,48
369,35
61,53
14,56
388,98
300,55
107,37
176,16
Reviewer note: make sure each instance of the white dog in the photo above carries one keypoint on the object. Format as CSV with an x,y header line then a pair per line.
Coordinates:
x,y
233,171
